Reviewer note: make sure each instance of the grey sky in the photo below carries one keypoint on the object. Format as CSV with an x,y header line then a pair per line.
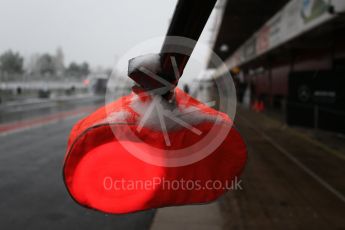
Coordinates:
x,y
88,30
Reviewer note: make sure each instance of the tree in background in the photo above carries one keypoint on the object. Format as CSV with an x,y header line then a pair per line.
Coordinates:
x,y
84,68
78,70
46,64
11,62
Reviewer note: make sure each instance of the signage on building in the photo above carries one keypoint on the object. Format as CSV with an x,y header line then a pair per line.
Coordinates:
x,y
296,18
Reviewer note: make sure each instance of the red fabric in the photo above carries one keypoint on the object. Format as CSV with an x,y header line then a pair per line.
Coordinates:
x,y
95,159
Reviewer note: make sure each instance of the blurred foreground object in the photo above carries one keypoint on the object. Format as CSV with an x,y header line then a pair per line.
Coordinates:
x,y
157,146
102,172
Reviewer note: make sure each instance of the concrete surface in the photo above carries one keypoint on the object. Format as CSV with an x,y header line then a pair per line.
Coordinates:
x,y
192,217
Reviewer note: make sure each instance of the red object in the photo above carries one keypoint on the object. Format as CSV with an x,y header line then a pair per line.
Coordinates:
x,y
100,173
261,106
258,106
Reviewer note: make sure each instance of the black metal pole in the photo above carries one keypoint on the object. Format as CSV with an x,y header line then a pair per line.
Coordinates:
x,y
188,21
